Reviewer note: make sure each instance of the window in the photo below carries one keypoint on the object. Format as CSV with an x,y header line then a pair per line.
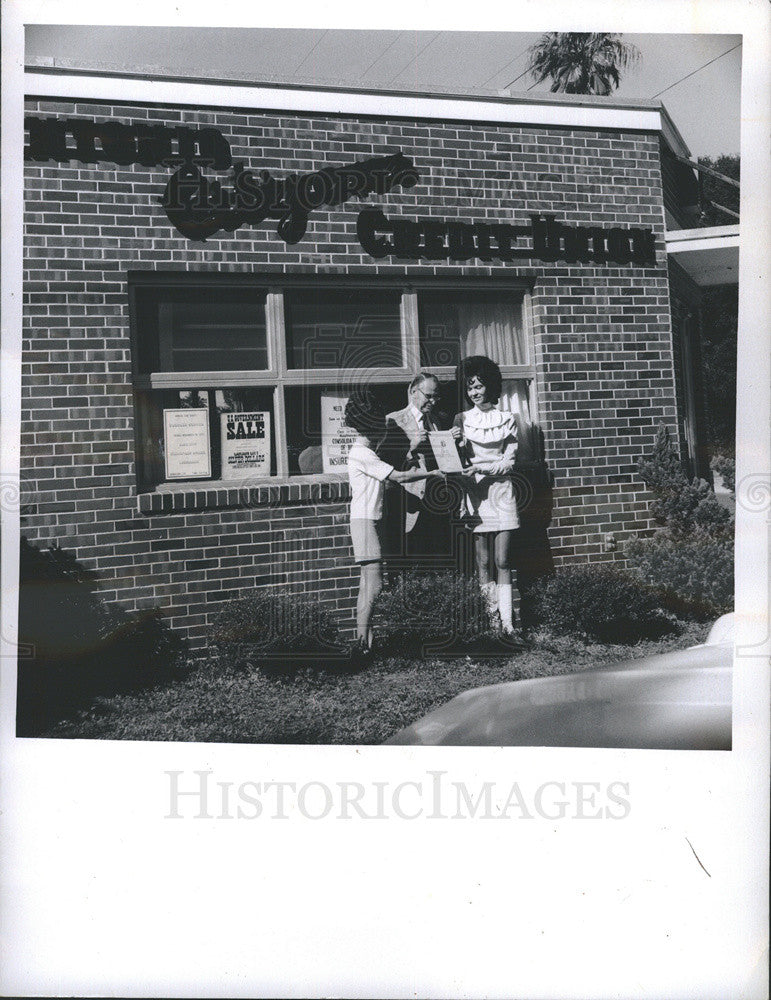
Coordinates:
x,y
189,328
454,325
155,450
239,380
343,328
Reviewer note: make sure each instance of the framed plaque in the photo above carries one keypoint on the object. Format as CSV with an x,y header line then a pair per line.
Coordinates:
x,y
187,451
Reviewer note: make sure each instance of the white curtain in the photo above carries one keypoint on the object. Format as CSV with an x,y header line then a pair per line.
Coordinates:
x,y
515,398
495,329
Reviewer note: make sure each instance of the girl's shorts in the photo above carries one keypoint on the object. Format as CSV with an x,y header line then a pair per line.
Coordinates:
x,y
365,535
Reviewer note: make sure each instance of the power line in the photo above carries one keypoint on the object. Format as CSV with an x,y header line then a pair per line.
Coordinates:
x,y
379,57
523,73
696,71
415,58
312,49
505,66
692,73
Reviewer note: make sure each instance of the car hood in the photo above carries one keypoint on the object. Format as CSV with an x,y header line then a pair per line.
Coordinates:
x,y
671,701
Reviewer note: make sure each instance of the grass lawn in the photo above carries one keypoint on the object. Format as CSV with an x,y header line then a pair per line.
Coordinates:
x,y
323,707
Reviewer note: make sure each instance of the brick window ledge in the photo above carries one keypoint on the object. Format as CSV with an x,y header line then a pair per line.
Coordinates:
x,y
182,497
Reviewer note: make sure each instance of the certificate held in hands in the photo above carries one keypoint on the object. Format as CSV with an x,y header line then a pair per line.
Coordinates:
x,y
446,452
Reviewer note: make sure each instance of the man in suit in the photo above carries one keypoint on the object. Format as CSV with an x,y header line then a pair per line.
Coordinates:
x,y
419,516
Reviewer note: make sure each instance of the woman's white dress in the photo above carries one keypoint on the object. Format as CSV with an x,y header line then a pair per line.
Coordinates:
x,y
491,439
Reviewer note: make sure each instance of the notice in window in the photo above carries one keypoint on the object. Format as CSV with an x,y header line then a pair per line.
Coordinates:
x,y
336,438
186,443
245,445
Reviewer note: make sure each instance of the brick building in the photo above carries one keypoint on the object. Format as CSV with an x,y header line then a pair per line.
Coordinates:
x,y
184,298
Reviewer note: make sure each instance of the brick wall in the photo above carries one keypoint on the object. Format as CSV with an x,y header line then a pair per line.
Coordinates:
x,y
602,340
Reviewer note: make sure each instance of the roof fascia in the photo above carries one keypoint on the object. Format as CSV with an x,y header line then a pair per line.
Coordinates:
x,y
671,135
69,85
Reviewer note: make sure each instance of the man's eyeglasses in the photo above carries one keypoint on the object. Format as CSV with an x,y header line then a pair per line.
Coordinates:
x,y
428,395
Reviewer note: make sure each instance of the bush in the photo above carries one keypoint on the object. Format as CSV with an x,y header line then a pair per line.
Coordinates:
x,y
432,612
689,562
693,576
680,505
598,602
275,630
725,467
74,646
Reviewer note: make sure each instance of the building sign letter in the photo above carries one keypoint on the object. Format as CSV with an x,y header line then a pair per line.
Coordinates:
x,y
544,239
200,207
114,142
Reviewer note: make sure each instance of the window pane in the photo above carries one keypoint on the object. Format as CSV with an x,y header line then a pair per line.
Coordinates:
x,y
343,328
239,426
306,405
188,329
455,325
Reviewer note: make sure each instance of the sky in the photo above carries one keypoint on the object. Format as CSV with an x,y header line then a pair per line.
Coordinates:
x,y
697,76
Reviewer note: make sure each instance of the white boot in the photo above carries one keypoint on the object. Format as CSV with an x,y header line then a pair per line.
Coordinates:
x,y
489,596
504,606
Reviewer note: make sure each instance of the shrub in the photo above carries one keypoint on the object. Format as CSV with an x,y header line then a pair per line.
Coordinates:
x,y
598,602
693,576
432,611
725,467
74,646
60,613
689,562
141,650
680,505
275,630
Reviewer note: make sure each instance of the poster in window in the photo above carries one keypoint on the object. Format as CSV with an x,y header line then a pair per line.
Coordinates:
x,y
245,441
336,437
186,443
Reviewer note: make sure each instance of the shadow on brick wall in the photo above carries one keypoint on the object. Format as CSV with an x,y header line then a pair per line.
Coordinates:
x,y
74,646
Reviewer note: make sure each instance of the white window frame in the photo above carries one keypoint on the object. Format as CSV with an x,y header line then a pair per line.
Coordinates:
x,y
278,376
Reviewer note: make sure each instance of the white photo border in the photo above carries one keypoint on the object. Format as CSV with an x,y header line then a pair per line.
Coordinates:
x,y
104,895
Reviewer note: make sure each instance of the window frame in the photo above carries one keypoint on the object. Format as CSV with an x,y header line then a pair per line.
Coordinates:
x,y
278,376
688,329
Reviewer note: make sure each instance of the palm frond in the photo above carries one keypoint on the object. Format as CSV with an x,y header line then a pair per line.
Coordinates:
x,y
581,62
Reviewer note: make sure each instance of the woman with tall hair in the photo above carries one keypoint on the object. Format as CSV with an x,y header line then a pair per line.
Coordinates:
x,y
489,438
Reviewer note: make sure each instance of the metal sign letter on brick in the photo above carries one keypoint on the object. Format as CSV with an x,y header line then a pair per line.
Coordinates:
x,y
433,239
114,142
199,207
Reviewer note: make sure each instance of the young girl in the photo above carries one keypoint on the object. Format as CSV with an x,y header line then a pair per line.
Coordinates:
x,y
489,437
367,475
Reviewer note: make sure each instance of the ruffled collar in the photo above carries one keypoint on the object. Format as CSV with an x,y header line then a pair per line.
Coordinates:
x,y
485,419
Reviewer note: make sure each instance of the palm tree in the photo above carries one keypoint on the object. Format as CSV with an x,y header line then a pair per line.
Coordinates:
x,y
581,63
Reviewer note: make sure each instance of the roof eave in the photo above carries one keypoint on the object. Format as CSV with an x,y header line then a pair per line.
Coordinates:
x,y
584,111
